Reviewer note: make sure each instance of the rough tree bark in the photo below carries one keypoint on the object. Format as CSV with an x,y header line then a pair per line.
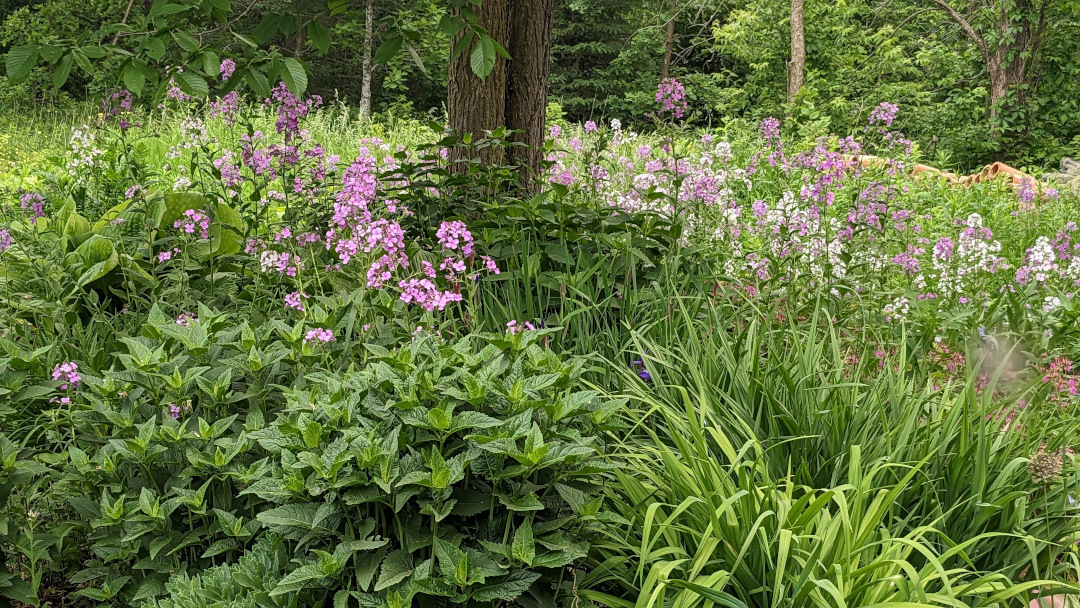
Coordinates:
x,y
476,105
529,71
365,77
1008,63
669,43
797,65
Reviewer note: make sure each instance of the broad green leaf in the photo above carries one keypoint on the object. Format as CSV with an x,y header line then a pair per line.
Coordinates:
x,y
395,568
524,547
20,60
388,49
319,36
506,589
294,76
63,70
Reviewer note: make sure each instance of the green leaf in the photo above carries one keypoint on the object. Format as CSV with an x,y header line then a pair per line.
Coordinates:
x,y
211,63
298,579
220,546
50,53
134,79
395,568
507,589
192,84
524,547
482,60
185,40
294,76
388,49
256,79
162,8
267,27
319,36
63,70
20,60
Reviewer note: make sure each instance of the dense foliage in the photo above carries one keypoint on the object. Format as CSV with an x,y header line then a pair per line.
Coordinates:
x,y
607,58
275,355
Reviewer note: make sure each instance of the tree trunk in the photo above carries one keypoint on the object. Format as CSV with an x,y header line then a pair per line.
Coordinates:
x,y
527,89
1009,61
797,66
669,44
365,82
475,105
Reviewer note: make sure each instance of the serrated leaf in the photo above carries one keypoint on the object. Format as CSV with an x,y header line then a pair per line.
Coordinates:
x,y
524,546
302,577
185,40
388,49
294,76
20,61
395,568
192,84
220,546
506,589
63,70
482,59
319,36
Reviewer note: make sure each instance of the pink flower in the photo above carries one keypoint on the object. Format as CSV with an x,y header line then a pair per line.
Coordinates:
x,y
192,220
319,335
228,66
186,319
453,234
590,126
295,300
68,373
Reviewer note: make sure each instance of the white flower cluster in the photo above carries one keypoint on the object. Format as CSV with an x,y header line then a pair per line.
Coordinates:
x,y
897,310
84,152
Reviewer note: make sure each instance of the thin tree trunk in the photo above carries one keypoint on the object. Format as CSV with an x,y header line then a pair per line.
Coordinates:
x,y
529,73
475,105
669,43
365,83
797,66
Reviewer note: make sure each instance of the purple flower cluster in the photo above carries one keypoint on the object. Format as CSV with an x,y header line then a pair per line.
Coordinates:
x,y
33,205
455,234
319,335
291,109
68,373
193,220
295,300
672,97
228,67
175,410
186,319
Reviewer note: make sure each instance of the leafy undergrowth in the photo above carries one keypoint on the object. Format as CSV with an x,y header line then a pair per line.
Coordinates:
x,y
255,357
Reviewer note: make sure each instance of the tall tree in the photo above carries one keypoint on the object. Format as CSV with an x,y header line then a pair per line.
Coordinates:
x,y
476,104
797,65
514,93
669,42
365,76
530,72
1009,43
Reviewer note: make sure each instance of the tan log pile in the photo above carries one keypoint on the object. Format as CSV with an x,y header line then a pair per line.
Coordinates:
x,y
990,172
